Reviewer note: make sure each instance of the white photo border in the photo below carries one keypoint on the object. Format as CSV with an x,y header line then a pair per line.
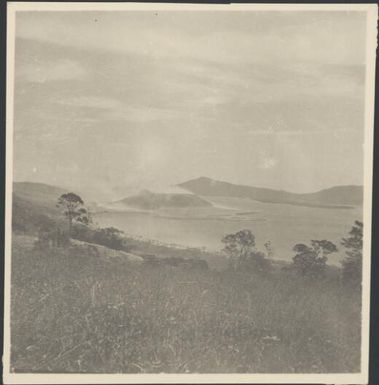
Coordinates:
x,y
329,378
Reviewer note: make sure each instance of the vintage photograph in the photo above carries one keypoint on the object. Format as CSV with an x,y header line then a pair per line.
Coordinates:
x,y
189,192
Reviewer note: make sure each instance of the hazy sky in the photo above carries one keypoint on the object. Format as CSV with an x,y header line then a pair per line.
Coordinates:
x,y
106,101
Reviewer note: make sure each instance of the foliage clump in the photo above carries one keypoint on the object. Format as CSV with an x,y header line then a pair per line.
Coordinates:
x,y
241,250
73,208
352,264
109,236
311,260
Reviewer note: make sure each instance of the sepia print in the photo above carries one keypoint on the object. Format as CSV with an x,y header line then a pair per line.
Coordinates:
x,y
188,193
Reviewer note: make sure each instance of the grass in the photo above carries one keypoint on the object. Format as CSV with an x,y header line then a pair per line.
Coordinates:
x,y
74,313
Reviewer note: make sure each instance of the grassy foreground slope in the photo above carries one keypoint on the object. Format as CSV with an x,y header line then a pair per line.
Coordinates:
x,y
72,312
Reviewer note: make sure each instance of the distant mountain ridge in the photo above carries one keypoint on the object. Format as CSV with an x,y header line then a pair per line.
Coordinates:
x,y
338,196
147,200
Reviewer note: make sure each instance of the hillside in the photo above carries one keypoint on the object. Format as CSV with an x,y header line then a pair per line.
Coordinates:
x,y
85,307
66,300
338,196
38,193
147,200
34,205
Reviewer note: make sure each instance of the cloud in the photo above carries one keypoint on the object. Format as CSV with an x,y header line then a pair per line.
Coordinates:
x,y
193,93
59,70
92,102
113,109
266,161
253,37
142,114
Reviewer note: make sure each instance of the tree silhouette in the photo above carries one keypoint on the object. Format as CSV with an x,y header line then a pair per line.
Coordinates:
x,y
238,247
72,207
242,253
311,260
352,264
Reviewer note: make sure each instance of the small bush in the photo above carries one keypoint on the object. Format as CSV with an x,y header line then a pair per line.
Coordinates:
x,y
51,235
109,237
242,253
352,264
311,260
257,261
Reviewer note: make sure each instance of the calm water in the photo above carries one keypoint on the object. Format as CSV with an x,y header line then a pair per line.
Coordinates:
x,y
283,225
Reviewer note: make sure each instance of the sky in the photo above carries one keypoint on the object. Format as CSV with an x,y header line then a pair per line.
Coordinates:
x,y
112,102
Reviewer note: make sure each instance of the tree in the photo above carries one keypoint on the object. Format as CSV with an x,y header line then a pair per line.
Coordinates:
x,y
311,260
109,237
73,208
240,248
352,264
269,250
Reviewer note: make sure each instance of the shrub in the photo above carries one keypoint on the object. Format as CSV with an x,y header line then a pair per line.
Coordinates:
x,y
256,261
240,248
109,237
311,260
352,264
50,235
83,233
